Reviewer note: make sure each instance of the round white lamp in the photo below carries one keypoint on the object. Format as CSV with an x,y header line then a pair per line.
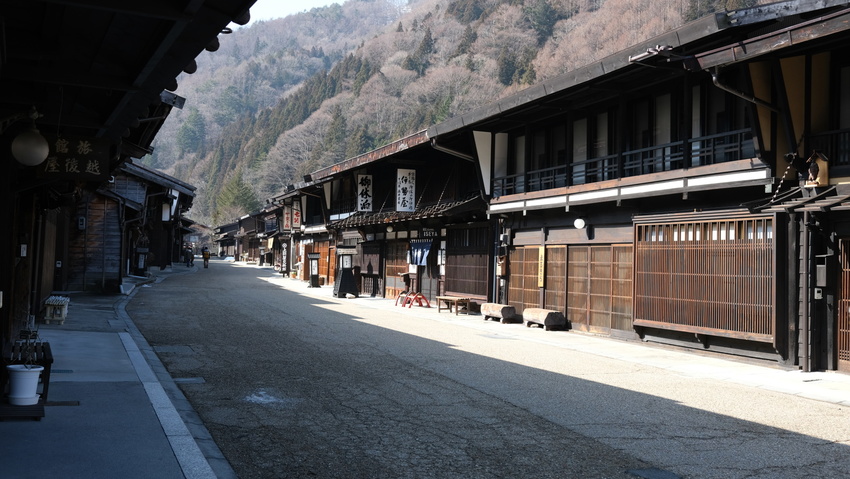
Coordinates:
x,y
30,148
579,223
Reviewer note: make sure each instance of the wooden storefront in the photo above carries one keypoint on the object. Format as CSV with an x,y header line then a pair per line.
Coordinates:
x,y
707,276
468,261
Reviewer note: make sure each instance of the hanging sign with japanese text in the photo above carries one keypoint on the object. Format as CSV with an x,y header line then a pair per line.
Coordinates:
x,y
296,214
405,190
73,158
364,193
287,218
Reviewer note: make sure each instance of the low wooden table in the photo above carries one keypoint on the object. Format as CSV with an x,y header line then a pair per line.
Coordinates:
x,y
447,302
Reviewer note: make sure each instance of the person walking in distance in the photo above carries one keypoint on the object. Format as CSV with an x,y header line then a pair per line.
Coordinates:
x,y
187,255
205,253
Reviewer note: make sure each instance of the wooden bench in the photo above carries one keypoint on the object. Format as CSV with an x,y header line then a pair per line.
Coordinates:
x,y
545,318
502,312
447,302
41,355
57,309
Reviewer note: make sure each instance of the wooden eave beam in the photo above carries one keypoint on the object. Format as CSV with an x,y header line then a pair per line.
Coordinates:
x,y
748,49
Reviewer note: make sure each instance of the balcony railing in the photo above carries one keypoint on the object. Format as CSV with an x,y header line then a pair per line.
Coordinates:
x,y
705,150
548,178
596,169
343,205
653,159
834,144
731,146
509,185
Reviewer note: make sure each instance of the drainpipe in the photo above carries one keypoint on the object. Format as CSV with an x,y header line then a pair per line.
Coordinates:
x,y
715,78
804,320
458,154
103,245
86,247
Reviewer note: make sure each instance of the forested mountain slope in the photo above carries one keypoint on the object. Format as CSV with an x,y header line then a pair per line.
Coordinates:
x,y
286,97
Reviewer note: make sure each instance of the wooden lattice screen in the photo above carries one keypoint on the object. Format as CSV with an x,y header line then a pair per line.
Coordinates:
x,y
707,277
599,287
396,266
371,268
466,261
555,293
523,289
844,310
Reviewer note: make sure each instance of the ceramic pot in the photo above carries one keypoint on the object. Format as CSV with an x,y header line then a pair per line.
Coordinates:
x,y
23,384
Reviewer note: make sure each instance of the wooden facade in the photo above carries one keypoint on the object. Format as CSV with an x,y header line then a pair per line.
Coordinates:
x,y
659,194
387,229
95,246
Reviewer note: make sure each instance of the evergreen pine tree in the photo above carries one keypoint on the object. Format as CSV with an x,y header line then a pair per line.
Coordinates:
x,y
192,132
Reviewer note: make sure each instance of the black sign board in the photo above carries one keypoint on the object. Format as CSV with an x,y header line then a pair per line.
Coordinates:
x,y
76,158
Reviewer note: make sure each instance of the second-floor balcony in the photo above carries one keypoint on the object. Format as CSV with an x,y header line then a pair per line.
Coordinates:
x,y
836,146
701,151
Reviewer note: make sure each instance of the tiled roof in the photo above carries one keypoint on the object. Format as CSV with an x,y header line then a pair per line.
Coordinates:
x,y
432,211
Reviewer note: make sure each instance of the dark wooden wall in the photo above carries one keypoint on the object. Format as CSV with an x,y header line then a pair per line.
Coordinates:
x,y
95,251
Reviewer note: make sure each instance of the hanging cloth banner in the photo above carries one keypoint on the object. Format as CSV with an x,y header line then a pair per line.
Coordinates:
x,y
419,249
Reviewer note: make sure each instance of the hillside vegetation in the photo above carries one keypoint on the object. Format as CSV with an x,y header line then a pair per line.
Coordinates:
x,y
286,97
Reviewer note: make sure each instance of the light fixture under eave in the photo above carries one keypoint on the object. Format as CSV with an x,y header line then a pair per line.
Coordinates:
x,y
30,148
389,228
579,223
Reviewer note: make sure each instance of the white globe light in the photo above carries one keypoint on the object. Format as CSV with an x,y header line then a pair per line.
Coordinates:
x,y
30,148
579,223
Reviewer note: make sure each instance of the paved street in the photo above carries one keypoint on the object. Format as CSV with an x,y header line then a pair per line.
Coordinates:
x,y
296,385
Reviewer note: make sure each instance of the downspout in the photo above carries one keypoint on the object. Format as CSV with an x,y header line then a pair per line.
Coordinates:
x,y
86,247
456,153
804,319
103,246
715,78
470,158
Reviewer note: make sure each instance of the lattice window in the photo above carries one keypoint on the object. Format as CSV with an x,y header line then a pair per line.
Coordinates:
x,y
711,277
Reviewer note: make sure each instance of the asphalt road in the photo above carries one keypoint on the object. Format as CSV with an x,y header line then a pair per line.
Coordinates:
x,y
293,385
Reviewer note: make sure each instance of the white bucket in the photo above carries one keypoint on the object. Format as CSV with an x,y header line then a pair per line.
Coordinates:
x,y
23,384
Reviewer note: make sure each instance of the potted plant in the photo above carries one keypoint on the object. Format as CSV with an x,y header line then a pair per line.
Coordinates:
x,y
24,374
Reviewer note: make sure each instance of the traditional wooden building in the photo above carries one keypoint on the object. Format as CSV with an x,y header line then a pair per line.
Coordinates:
x,y
128,224
647,195
225,239
76,102
410,216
